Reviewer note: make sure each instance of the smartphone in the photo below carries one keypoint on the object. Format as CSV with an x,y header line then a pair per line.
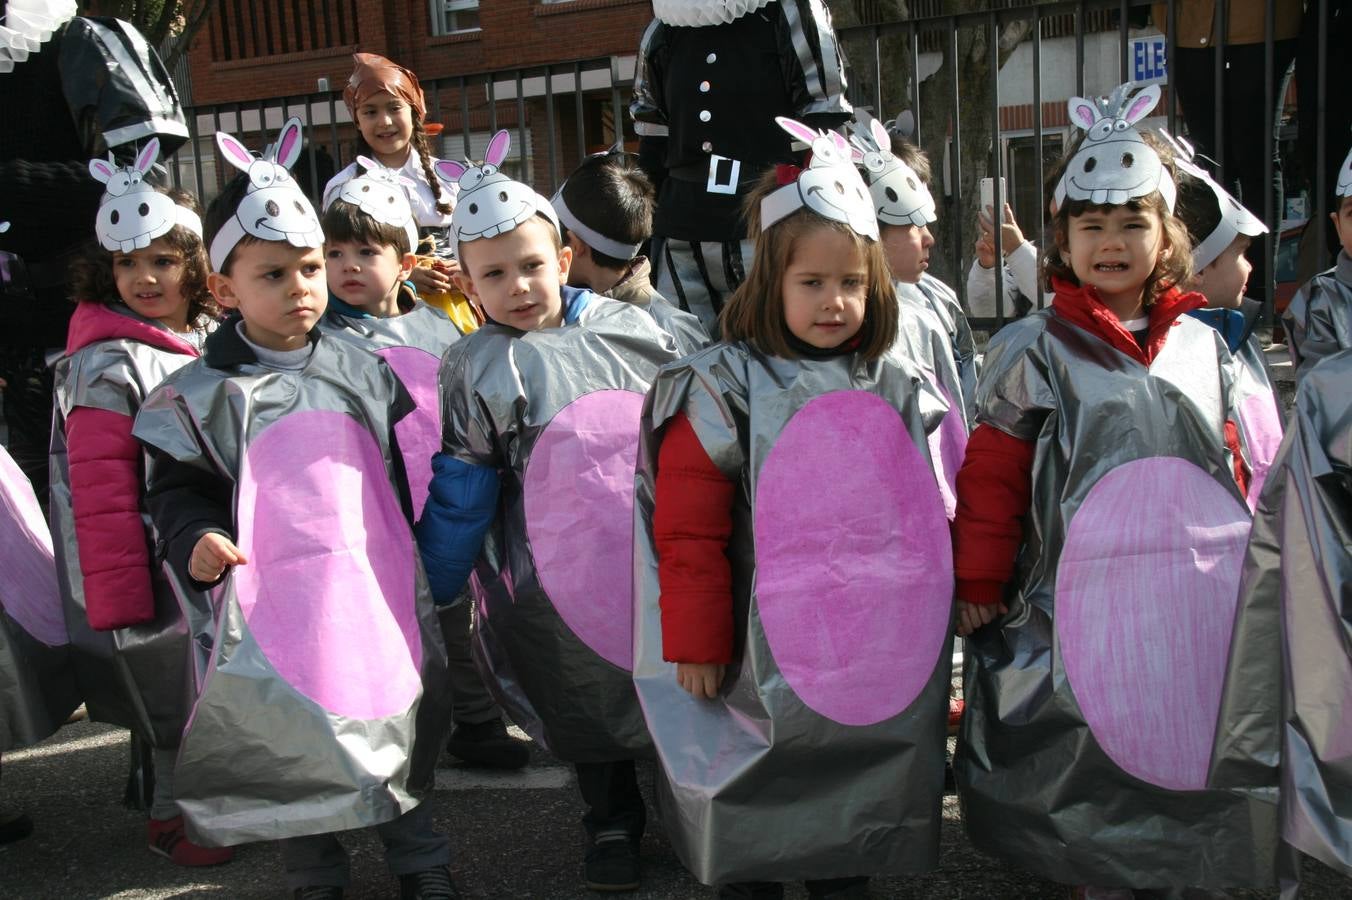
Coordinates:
x,y
988,193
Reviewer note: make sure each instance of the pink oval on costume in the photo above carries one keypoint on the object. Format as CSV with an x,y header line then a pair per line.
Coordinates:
x,y
854,566
1262,427
328,592
1145,600
28,587
948,446
579,491
419,432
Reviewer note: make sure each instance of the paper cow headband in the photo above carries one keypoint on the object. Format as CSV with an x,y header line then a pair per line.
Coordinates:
x,y
490,203
1345,178
275,208
899,196
830,186
382,194
1114,164
697,13
28,25
1235,219
132,213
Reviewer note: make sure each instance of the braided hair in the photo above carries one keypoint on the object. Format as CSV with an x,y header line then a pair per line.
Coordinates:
x,y
422,146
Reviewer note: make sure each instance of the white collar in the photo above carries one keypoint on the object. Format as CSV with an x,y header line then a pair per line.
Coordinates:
x,y
698,13
28,25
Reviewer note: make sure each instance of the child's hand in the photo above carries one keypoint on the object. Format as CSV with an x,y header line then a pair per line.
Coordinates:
x,y
430,280
972,616
700,679
211,555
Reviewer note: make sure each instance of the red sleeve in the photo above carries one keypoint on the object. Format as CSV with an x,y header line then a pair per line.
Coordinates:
x,y
994,492
1232,442
692,522
105,489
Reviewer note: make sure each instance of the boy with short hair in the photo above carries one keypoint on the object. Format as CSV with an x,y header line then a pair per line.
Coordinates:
x,y
605,209
275,472
899,182
535,481
370,231
1221,230
931,329
1319,319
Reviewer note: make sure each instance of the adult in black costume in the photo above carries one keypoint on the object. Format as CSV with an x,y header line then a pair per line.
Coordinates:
x,y
71,89
712,75
95,86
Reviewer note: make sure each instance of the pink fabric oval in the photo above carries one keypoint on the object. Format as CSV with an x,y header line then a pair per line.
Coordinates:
x,y
1262,427
1145,601
854,567
419,432
948,446
329,591
28,587
579,492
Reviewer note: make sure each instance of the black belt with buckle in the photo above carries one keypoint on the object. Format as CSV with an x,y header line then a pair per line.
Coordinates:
x,y
720,175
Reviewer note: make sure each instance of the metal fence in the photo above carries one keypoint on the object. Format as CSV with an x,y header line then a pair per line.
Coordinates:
x,y
558,113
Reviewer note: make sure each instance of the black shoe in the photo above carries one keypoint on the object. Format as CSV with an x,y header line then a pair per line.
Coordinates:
x,y
318,892
612,862
14,827
429,884
488,744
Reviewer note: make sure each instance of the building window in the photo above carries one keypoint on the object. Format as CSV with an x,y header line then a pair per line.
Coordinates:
x,y
453,16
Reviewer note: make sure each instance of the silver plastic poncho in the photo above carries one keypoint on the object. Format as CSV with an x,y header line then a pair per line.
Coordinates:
x,y
938,298
37,682
1091,707
136,677
412,344
1286,718
921,339
1319,320
823,755
320,704
1257,413
557,413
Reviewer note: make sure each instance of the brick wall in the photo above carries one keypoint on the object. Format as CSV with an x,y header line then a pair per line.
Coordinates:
x,y
230,60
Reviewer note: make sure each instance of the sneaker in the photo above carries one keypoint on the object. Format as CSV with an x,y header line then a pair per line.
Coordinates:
x,y
955,710
318,892
488,744
169,840
612,862
428,884
14,826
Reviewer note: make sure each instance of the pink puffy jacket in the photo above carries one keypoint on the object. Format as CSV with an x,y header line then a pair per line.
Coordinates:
x,y
106,481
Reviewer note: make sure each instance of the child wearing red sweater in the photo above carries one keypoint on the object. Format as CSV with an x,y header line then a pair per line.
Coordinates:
x,y
794,591
1101,522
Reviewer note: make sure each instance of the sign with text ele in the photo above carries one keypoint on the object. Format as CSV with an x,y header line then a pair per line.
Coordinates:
x,y
1148,59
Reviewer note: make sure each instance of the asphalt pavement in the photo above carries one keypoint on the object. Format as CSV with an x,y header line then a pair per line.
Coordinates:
x,y
514,835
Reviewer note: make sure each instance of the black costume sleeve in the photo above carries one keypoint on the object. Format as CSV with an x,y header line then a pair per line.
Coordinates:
x,y
185,503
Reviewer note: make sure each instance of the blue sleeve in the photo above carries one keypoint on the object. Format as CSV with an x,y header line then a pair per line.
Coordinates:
x,y
462,500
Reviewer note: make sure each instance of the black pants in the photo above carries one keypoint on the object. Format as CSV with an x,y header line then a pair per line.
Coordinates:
x,y
614,802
